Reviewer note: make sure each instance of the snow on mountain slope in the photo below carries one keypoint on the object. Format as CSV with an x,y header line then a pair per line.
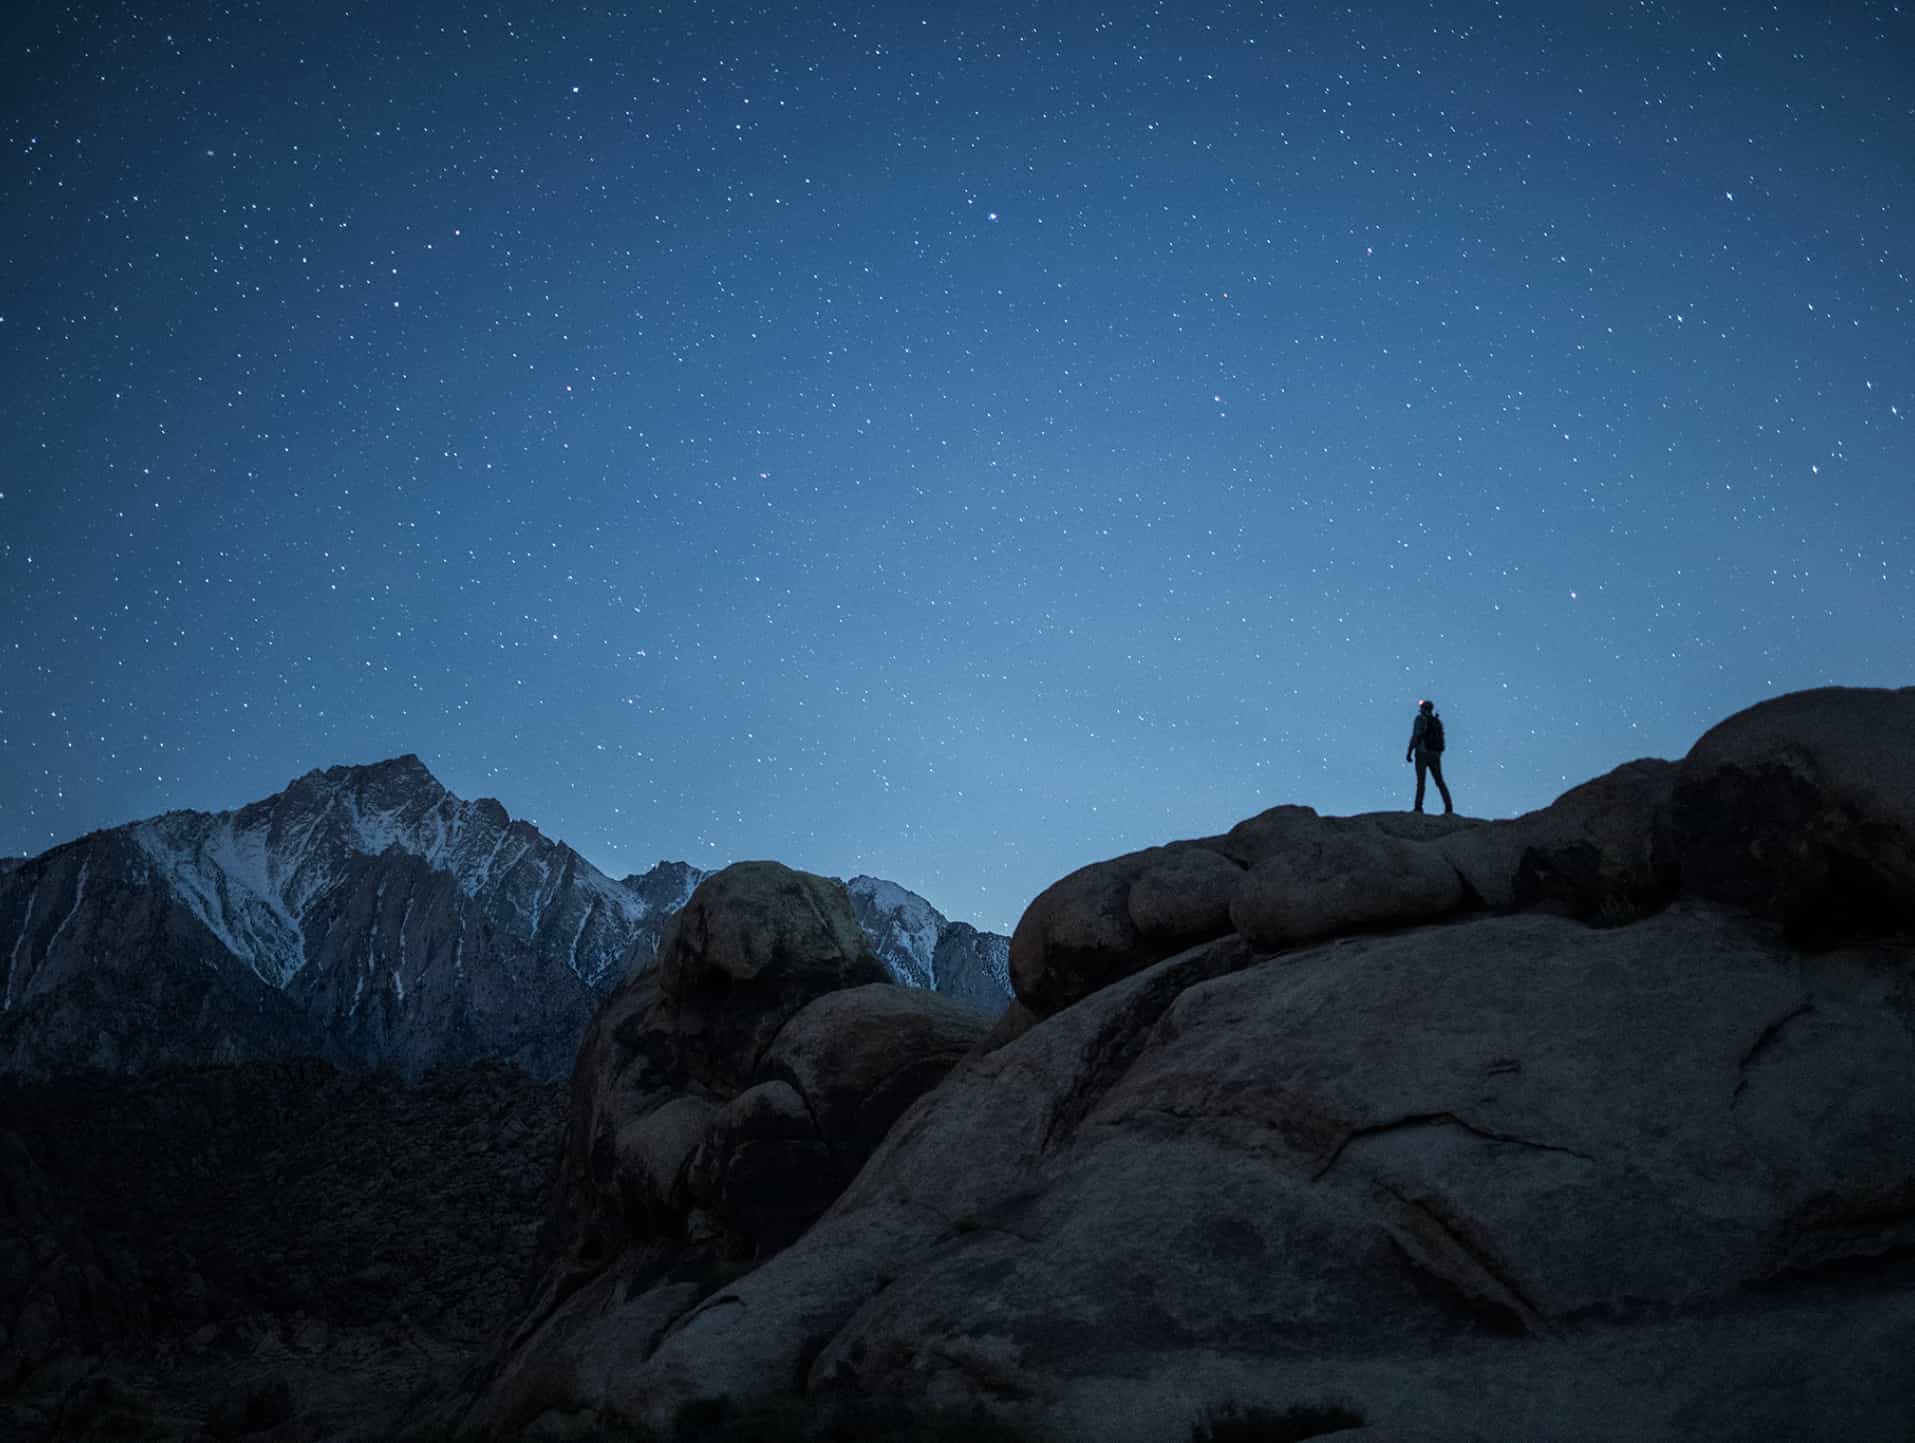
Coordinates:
x,y
368,915
253,875
902,926
921,948
667,887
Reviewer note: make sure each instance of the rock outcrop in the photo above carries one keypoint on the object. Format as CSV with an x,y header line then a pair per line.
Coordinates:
x,y
721,1101
1597,1123
1803,809
1288,876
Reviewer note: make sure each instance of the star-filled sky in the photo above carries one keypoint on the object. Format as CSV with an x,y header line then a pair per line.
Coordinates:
x,y
954,442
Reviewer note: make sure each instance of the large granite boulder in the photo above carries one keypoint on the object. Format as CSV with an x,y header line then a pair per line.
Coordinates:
x,y
1321,876
674,1043
721,1102
1284,876
752,946
1105,921
1590,854
1396,1134
761,1173
860,1056
1803,808
1474,1180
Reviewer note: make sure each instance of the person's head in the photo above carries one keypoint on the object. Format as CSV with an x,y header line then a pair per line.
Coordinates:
x,y
1426,707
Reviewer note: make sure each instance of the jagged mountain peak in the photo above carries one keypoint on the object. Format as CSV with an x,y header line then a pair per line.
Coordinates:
x,y
394,775
667,886
253,875
363,910
405,766
923,948
366,912
903,927
889,895
390,785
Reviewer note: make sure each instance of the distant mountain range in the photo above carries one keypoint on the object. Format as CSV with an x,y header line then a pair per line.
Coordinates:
x,y
369,916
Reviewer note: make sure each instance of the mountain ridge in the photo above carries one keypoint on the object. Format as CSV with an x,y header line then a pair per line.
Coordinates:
x,y
406,926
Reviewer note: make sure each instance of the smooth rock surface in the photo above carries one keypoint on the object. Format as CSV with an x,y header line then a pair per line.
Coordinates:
x,y
1325,875
752,947
720,1103
1548,1129
1803,808
1505,1139
859,1056
1589,854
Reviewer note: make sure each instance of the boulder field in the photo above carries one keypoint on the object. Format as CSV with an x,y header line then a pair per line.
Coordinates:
x,y
1596,1123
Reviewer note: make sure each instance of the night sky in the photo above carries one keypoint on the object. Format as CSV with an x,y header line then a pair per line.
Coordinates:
x,y
955,442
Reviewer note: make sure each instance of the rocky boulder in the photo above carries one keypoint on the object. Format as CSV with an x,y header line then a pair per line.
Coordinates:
x,y
1284,876
1803,809
722,1100
1590,854
1325,875
755,943
761,1172
1105,921
1259,1135
1476,1180
859,1057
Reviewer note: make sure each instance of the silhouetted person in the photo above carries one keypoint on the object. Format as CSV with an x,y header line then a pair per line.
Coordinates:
x,y
1426,750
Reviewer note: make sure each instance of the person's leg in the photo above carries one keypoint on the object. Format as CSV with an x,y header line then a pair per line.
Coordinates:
x,y
1436,770
1420,765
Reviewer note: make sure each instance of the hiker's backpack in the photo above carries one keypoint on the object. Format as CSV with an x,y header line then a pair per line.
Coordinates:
x,y
1432,733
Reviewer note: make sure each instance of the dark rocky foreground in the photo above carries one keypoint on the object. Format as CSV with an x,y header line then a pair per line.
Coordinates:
x,y
1594,1124
279,1249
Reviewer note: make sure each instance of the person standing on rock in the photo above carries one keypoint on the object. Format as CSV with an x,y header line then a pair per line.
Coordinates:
x,y
1426,750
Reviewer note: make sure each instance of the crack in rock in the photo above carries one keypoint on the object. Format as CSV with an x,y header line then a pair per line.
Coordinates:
x,y
1439,1119
966,1225
1123,1037
1492,1283
1764,1044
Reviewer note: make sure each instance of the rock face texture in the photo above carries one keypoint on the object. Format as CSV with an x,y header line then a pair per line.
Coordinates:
x,y
973,966
1288,876
722,1099
1610,1132
1803,809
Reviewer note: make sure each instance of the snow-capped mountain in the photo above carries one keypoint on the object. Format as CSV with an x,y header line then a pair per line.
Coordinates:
x,y
366,915
921,948
363,914
254,876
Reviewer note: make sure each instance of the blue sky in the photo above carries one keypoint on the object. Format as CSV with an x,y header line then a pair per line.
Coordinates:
x,y
955,443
